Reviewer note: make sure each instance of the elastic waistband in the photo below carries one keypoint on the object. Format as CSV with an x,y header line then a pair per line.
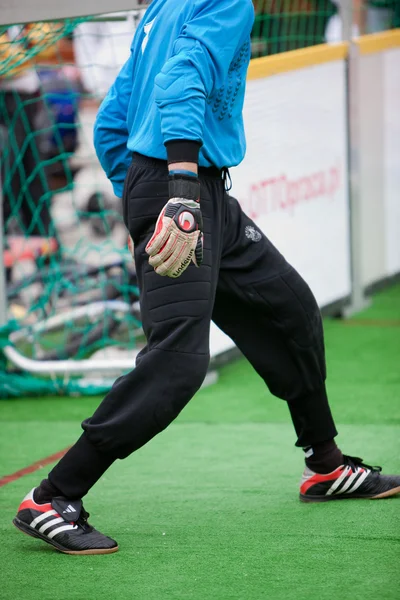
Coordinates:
x,y
154,163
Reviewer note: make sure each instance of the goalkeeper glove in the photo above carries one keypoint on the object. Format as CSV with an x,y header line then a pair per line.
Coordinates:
x,y
178,236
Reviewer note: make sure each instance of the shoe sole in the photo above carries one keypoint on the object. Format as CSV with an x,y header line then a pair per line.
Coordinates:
x,y
387,494
36,534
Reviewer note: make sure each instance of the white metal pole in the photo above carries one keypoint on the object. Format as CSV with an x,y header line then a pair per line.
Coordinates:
x,y
358,300
346,14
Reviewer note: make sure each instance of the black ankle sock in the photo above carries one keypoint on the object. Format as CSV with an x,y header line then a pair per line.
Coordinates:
x,y
324,457
45,492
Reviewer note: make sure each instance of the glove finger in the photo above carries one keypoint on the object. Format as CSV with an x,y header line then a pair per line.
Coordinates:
x,y
160,235
198,251
168,249
173,261
179,261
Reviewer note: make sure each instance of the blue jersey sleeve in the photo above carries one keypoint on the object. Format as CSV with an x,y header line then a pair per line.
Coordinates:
x,y
111,130
200,63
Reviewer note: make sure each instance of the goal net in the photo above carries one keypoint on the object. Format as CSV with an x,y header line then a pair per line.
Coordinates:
x,y
72,319
71,290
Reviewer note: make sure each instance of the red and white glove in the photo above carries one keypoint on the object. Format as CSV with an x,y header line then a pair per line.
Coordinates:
x,y
178,236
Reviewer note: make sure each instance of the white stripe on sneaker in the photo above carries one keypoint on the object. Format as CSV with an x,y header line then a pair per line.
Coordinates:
x,y
349,482
60,529
338,481
50,524
49,513
358,482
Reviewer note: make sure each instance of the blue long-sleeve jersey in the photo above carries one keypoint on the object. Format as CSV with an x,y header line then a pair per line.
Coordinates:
x,y
185,80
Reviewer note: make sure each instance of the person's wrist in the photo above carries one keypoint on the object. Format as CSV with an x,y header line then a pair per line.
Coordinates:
x,y
183,168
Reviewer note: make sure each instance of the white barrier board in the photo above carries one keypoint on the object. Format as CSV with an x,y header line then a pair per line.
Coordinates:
x,y
293,181
391,145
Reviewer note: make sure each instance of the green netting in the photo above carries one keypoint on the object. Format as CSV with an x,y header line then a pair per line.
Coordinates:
x,y
283,25
71,284
13,385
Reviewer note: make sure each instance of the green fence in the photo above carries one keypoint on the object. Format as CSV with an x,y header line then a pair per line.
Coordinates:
x,y
283,25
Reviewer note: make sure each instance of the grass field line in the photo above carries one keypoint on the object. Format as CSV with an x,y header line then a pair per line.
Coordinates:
x,y
39,464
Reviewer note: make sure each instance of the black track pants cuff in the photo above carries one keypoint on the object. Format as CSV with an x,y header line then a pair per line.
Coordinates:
x,y
312,419
80,468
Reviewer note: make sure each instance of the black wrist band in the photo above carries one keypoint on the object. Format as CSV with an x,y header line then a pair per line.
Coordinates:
x,y
184,187
183,151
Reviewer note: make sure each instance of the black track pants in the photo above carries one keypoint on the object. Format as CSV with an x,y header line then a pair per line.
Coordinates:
x,y
246,287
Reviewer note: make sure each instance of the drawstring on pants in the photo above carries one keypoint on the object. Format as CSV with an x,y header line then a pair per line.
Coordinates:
x,y
226,177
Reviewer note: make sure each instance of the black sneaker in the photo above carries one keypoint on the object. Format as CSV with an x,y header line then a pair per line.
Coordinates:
x,y
353,479
63,524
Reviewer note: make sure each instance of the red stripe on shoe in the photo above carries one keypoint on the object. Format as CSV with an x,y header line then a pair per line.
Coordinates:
x,y
318,478
31,504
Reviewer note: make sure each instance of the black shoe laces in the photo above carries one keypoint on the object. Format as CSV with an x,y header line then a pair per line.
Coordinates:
x,y
354,462
83,521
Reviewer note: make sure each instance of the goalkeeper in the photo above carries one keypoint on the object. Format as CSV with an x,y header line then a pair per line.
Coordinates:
x,y
165,134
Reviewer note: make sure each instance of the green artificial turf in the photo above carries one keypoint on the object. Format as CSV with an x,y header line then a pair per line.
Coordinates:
x,y
209,509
